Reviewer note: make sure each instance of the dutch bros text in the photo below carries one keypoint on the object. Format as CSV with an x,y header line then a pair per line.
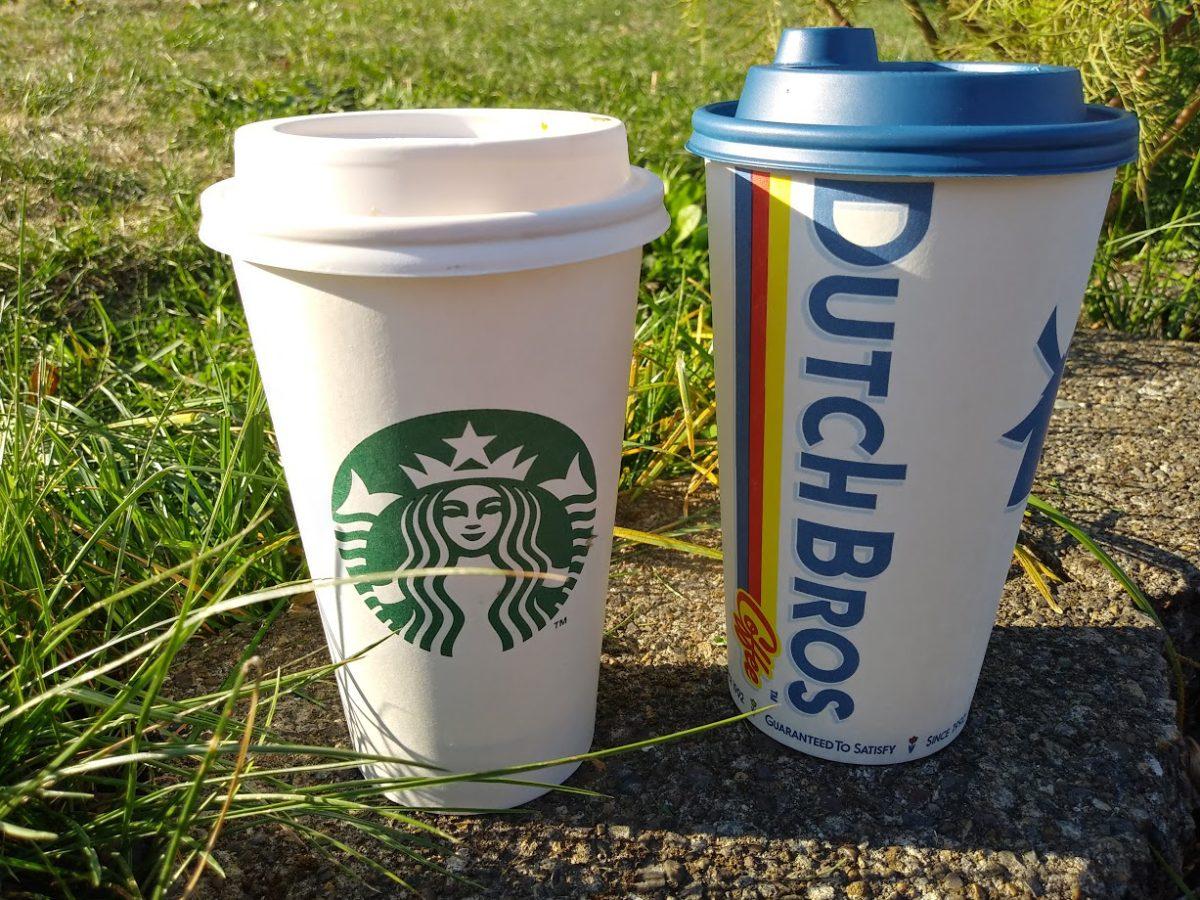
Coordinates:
x,y
831,565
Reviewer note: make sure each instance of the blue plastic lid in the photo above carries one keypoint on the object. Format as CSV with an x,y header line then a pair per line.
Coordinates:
x,y
827,104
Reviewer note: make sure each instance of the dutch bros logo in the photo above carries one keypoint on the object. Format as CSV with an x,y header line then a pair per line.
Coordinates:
x,y
834,564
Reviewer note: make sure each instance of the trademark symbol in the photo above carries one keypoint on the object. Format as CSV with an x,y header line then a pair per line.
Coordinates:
x,y
559,623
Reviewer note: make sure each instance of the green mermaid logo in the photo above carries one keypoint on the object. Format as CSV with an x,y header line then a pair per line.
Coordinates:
x,y
487,488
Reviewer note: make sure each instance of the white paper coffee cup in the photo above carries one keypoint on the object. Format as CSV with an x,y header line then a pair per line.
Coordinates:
x,y
441,305
888,352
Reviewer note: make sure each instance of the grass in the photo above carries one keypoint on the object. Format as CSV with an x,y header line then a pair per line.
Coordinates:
x,y
1147,62
1146,280
140,494
141,501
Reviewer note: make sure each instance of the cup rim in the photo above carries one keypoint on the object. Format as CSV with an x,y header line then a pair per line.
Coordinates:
x,y
429,128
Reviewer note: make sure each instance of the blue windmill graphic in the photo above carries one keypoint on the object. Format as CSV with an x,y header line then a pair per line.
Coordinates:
x,y
1031,430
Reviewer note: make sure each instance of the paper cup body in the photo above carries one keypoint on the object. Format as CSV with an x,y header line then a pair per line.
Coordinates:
x,y
887,352
441,304
345,359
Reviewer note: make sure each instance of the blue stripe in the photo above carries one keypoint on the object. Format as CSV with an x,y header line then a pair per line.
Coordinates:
x,y
741,364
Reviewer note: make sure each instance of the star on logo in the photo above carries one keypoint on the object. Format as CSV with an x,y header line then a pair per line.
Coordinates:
x,y
1031,430
469,447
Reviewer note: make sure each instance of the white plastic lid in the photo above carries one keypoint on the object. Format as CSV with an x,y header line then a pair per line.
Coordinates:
x,y
431,192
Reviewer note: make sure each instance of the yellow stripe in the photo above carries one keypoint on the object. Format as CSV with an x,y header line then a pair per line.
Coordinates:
x,y
776,374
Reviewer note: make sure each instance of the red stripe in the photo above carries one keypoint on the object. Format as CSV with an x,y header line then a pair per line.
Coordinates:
x,y
760,207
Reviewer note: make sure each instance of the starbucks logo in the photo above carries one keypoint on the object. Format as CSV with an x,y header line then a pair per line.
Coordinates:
x,y
487,488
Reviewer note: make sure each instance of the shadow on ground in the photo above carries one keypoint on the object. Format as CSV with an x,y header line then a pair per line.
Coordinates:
x,y
1049,785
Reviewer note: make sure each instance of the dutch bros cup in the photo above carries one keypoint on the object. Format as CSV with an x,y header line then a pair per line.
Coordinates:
x,y
441,304
899,253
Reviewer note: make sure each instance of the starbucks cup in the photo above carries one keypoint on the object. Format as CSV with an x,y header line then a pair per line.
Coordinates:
x,y
441,304
899,252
